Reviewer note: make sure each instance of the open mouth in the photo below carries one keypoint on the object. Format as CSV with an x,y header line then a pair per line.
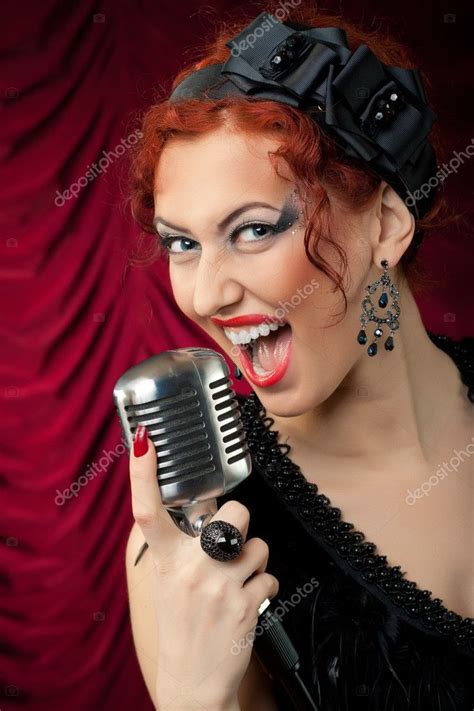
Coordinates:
x,y
266,358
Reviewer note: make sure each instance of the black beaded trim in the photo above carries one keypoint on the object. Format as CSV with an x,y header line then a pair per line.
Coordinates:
x,y
315,509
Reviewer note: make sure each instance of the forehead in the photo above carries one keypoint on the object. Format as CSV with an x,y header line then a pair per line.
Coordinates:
x,y
221,164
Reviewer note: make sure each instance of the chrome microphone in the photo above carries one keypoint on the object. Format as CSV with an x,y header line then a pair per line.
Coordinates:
x,y
185,399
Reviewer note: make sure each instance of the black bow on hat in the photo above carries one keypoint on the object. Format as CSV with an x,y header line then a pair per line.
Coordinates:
x,y
377,113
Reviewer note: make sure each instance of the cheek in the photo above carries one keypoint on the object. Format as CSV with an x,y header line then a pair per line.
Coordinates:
x,y
182,291
322,294
287,277
301,289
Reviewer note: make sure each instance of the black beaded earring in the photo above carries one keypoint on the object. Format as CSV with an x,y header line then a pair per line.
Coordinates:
x,y
368,312
237,372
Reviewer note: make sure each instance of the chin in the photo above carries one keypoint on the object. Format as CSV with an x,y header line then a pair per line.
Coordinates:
x,y
289,402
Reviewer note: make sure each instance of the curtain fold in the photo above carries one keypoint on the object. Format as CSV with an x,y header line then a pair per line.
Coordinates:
x,y
74,317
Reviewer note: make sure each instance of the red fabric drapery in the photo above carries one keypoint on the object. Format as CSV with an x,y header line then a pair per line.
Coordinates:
x,y
73,77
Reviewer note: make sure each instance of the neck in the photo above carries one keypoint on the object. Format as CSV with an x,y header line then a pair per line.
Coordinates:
x,y
399,404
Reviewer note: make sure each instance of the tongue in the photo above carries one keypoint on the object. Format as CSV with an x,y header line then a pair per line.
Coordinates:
x,y
271,349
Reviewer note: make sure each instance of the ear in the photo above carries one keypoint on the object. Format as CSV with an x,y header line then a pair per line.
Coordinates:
x,y
396,226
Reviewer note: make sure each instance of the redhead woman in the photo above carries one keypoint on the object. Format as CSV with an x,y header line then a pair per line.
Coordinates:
x,y
289,179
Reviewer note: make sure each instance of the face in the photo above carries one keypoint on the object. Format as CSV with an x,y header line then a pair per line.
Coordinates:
x,y
254,264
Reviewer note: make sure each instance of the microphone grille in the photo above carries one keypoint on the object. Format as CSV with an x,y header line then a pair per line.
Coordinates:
x,y
186,401
181,419
176,425
229,419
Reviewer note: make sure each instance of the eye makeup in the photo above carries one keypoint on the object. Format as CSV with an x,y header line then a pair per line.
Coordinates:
x,y
288,216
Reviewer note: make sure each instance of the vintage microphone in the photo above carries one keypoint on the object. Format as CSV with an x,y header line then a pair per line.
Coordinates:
x,y
185,399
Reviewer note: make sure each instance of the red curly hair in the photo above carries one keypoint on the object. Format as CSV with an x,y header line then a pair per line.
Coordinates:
x,y
319,166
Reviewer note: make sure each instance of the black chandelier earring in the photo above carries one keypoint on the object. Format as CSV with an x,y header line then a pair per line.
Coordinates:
x,y
369,314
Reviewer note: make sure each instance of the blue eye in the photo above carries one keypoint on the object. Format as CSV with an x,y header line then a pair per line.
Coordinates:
x,y
257,226
167,240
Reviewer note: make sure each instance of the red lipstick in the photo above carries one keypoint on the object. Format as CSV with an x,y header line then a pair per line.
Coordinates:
x,y
245,320
264,381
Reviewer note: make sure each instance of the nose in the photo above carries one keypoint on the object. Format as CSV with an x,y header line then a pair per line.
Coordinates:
x,y
216,285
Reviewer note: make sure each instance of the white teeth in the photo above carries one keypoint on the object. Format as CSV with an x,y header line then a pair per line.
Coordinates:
x,y
244,337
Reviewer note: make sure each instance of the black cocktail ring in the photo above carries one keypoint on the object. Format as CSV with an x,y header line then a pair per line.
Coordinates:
x,y
221,540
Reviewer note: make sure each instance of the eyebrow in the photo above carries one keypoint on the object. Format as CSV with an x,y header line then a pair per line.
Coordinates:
x,y
223,224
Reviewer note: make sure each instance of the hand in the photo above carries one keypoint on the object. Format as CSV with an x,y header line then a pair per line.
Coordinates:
x,y
203,606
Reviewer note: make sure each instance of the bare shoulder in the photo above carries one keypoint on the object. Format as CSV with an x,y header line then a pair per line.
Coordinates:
x,y
256,688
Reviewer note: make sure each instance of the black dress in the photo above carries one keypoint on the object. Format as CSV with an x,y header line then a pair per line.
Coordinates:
x,y
367,637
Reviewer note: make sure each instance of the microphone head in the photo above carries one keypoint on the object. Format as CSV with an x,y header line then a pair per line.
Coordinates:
x,y
185,399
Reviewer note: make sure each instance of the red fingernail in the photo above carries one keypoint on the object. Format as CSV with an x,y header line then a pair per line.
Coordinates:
x,y
140,442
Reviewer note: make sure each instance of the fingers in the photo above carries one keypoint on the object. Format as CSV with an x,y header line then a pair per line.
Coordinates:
x,y
252,560
260,588
262,553
159,530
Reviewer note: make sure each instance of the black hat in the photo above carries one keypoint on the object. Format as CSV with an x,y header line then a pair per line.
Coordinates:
x,y
377,113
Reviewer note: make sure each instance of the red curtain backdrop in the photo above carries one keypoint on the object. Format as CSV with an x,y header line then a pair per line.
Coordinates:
x,y
74,318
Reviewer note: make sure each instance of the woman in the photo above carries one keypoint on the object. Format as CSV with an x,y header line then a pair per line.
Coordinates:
x,y
298,164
